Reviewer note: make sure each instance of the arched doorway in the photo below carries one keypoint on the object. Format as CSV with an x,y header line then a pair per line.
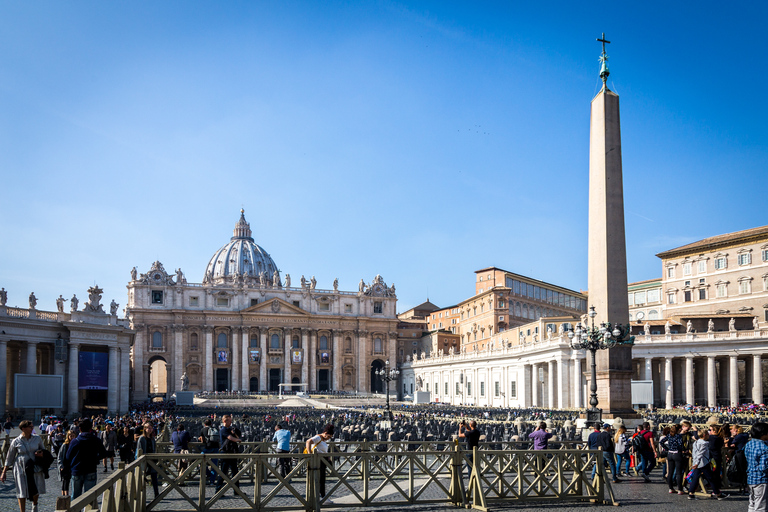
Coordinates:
x,y
158,376
254,385
377,386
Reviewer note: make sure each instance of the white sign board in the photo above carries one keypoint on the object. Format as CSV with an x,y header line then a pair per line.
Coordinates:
x,y
642,392
38,391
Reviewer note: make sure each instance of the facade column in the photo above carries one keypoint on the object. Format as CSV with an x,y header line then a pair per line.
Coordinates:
x,y
336,372
31,357
649,376
551,384
73,391
668,383
236,362
711,382
208,375
4,377
114,384
733,378
362,346
562,393
139,391
576,381
125,384
535,387
689,398
245,359
287,353
757,379
178,356
168,379
313,361
305,358
264,359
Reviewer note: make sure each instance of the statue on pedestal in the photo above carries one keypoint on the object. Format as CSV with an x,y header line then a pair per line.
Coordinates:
x,y
113,307
312,283
3,296
336,284
647,328
303,282
184,382
710,325
32,300
755,323
549,333
275,279
73,302
133,274
689,327
361,286
287,280
60,304
94,305
667,328
732,324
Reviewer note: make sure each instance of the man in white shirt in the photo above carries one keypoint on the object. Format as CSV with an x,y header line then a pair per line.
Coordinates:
x,y
319,443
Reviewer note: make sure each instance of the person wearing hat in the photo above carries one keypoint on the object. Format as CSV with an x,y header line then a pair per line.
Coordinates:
x,y
604,440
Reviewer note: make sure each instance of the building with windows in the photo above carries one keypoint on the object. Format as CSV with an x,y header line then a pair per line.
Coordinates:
x,y
246,327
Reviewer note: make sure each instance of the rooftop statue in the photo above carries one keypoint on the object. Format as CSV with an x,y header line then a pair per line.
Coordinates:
x,y
73,302
60,304
32,300
3,296
94,304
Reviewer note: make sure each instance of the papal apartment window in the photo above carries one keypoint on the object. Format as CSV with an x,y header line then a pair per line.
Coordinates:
x,y
745,287
194,301
653,295
686,269
157,297
670,272
702,266
745,258
765,283
347,308
671,298
377,307
702,294
222,301
765,254
721,290
254,302
720,263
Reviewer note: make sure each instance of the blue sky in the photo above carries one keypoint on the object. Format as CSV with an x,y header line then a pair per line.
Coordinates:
x,y
420,141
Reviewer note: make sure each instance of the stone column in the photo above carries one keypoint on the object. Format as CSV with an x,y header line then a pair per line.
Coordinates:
x,y
362,351
114,385
178,356
649,374
525,385
73,391
236,363
551,384
287,352
757,379
168,379
733,378
689,398
208,380
711,382
313,361
31,357
305,359
562,393
139,384
245,361
125,384
668,382
336,360
4,377
535,386
264,359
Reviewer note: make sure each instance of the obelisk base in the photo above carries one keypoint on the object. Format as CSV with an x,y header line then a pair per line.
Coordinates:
x,y
614,394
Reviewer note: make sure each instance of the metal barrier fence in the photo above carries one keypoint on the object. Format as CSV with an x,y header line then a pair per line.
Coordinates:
x,y
392,477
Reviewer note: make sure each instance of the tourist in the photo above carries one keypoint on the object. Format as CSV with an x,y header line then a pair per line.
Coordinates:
x,y
756,453
8,426
643,446
180,439
109,439
144,446
673,444
603,440
621,448
700,466
209,437
283,439
716,453
471,435
125,445
82,459
319,443
540,437
65,475
30,482
230,444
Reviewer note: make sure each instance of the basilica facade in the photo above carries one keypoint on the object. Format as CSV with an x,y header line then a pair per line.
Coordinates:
x,y
247,327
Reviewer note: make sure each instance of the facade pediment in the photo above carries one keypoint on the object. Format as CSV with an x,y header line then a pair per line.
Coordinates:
x,y
276,306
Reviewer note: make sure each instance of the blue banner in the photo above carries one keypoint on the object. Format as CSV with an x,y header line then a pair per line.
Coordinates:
x,y
93,370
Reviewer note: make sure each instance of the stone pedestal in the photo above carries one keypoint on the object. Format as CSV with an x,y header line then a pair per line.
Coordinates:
x,y
185,398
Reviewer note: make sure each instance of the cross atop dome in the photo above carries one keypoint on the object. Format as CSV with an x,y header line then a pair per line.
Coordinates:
x,y
604,60
242,228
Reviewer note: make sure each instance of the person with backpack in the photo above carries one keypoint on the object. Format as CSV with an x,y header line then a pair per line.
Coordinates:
x,y
621,444
642,446
700,467
756,455
603,440
209,437
230,443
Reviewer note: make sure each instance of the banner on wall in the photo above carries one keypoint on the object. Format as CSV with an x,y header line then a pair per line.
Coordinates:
x,y
254,356
296,356
222,356
93,370
325,357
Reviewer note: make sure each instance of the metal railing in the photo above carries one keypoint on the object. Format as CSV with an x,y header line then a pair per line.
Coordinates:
x,y
394,476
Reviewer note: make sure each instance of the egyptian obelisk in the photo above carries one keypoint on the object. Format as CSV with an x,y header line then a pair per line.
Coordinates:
x,y
607,273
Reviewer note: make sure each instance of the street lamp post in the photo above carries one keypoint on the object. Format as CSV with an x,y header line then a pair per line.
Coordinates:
x,y
594,338
387,375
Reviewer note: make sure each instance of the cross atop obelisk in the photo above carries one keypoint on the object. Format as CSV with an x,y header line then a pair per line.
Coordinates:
x,y
604,61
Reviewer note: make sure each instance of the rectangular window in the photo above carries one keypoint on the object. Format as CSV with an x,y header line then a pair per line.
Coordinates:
x,y
446,389
745,258
222,301
324,306
297,304
377,307
686,269
702,293
745,287
653,295
157,297
500,304
469,388
513,389
687,295
671,297
496,389
702,266
765,284
194,301
254,302
631,299
482,388
687,283
501,318
640,297
347,308
720,263
670,272
765,254
721,290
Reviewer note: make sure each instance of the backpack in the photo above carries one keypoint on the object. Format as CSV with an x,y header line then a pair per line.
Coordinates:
x,y
212,437
737,468
639,443
621,445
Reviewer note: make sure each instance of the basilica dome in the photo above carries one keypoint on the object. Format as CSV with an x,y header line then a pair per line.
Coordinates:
x,y
241,260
